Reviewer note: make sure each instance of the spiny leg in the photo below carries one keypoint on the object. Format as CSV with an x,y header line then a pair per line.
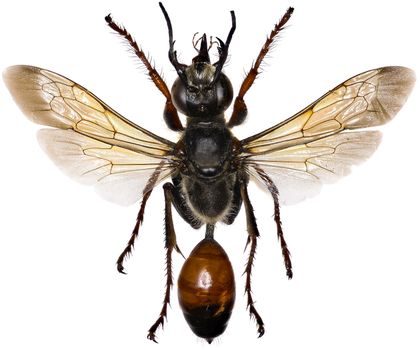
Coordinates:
x,y
170,245
130,244
253,234
275,194
151,182
240,110
170,113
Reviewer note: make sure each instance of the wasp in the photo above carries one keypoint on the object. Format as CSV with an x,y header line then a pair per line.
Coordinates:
x,y
206,172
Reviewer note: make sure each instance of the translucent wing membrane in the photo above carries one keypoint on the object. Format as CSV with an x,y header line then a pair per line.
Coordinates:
x,y
315,147
118,174
96,145
299,171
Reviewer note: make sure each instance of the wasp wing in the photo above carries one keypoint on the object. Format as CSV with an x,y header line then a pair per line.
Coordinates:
x,y
90,142
316,145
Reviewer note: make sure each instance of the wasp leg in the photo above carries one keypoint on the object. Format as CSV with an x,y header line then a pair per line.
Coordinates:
x,y
170,245
275,194
253,234
151,182
130,244
284,249
240,110
170,113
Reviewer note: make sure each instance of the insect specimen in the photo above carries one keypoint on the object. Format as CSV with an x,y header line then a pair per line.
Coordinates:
x,y
208,167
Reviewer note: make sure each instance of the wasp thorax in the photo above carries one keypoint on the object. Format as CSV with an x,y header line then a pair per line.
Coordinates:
x,y
206,289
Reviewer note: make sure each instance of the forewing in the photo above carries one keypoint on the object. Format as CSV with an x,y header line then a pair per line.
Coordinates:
x,y
315,146
369,99
95,145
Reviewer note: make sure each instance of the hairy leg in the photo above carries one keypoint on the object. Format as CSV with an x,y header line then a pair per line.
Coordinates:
x,y
253,234
240,109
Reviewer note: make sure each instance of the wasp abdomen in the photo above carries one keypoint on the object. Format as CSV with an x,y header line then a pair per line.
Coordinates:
x,y
206,289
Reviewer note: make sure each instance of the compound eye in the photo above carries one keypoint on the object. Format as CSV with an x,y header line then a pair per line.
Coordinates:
x,y
224,92
179,95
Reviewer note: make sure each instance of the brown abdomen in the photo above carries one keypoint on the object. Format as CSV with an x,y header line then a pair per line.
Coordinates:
x,y
206,289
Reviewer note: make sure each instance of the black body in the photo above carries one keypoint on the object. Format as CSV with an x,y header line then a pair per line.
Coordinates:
x,y
210,183
207,183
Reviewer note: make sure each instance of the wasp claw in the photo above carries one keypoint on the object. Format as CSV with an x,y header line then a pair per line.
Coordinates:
x,y
152,337
261,331
120,269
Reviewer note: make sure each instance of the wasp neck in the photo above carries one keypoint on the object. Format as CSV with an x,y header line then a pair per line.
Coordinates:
x,y
207,120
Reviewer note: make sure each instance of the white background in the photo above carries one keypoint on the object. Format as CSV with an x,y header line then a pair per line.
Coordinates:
x,y
355,247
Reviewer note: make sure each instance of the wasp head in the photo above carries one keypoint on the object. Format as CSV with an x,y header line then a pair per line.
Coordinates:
x,y
201,89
